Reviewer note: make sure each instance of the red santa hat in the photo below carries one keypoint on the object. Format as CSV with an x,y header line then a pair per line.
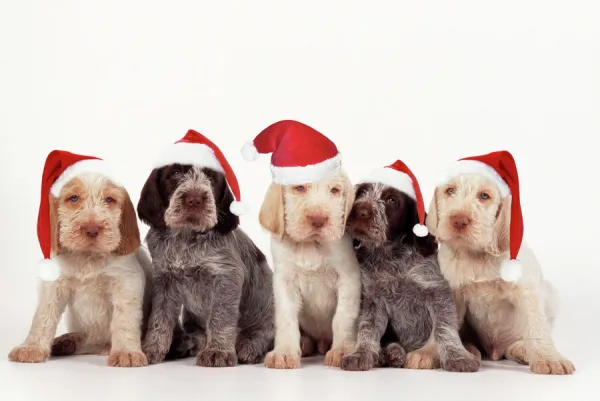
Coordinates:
x,y
400,177
499,167
60,168
300,154
196,149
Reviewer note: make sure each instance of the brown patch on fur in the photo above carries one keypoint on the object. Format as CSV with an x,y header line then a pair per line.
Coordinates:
x,y
54,226
67,344
272,216
130,233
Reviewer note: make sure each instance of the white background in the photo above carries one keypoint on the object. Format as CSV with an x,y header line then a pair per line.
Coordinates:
x,y
427,82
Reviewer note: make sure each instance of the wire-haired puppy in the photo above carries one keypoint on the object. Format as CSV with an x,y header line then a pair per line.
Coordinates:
x,y
403,288
317,278
203,261
476,216
93,266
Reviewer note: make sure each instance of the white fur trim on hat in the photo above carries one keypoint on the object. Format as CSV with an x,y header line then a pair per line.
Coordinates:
x,y
420,230
196,154
511,270
84,166
48,270
393,178
461,167
239,208
306,174
249,152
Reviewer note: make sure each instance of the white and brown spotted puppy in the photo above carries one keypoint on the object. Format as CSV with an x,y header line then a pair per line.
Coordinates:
x,y
476,217
317,277
94,266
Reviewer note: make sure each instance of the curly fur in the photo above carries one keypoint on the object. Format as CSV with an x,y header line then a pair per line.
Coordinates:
x,y
403,289
508,320
205,263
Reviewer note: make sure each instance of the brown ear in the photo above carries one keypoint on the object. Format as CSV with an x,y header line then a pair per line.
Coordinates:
x,y
130,233
501,238
55,246
350,195
272,215
431,221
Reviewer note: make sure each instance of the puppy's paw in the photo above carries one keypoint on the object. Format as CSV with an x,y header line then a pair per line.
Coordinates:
x,y
307,346
558,366
127,359
473,350
334,357
216,359
323,346
247,352
29,354
67,344
424,358
517,352
359,361
465,362
153,354
279,360
395,355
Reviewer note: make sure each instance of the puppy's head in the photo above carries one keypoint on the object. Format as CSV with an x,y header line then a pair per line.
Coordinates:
x,y
315,211
93,214
469,211
187,197
381,214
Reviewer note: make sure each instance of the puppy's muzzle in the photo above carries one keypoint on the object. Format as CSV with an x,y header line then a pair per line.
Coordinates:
x,y
317,220
193,201
460,222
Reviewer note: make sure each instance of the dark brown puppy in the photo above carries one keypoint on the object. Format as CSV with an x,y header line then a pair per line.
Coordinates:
x,y
205,263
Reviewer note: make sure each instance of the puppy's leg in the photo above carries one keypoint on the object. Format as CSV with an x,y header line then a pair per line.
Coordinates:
x,y
286,354
126,324
51,305
517,352
541,353
372,323
166,304
253,345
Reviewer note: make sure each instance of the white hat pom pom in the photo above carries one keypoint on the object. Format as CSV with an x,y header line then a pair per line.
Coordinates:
x,y
420,230
239,208
511,270
49,270
249,152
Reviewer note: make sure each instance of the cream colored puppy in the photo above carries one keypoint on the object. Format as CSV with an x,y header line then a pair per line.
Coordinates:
x,y
470,216
95,240
317,277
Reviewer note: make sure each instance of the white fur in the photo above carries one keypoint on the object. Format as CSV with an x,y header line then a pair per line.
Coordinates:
x,y
306,174
461,167
188,153
392,178
84,166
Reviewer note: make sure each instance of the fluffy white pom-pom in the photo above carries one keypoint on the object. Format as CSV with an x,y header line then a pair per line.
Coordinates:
x,y
49,270
420,230
239,208
511,270
249,152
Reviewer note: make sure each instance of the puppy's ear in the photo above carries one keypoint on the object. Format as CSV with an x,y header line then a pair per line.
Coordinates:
x,y
431,221
349,197
227,221
151,208
128,227
272,214
501,238
55,246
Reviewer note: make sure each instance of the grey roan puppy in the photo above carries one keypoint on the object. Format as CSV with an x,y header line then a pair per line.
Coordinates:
x,y
403,289
205,263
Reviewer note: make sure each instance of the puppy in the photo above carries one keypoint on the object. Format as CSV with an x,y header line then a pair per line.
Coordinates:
x,y
95,240
403,288
203,261
317,277
471,218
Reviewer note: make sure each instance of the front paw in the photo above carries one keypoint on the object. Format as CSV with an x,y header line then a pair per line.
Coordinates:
x,y
127,359
465,362
553,366
153,354
216,359
29,354
359,361
395,355
334,357
280,360
424,358
247,353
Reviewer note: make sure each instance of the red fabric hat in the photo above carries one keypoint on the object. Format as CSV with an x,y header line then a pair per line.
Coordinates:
x,y
196,149
60,168
500,167
400,177
300,154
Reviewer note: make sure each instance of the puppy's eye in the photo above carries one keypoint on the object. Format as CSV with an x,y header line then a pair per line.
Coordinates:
x,y
175,173
300,188
450,190
109,200
391,200
484,196
73,198
335,191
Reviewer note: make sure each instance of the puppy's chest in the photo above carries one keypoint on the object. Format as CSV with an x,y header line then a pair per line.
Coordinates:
x,y
178,255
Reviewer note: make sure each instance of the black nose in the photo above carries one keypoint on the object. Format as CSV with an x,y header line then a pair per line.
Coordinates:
x,y
318,221
363,212
193,200
92,231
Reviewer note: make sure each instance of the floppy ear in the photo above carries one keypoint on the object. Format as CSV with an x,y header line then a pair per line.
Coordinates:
x,y
151,208
350,195
55,246
501,238
227,221
272,214
130,233
431,221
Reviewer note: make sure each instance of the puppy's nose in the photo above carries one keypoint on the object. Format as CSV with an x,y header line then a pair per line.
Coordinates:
x,y
318,221
363,212
92,230
193,200
460,221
